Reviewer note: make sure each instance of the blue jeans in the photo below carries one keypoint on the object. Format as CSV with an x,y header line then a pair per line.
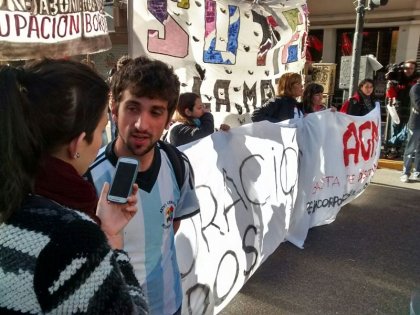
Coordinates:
x,y
398,134
412,148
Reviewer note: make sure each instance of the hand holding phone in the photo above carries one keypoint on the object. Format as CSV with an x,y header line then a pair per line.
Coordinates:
x,y
115,216
124,178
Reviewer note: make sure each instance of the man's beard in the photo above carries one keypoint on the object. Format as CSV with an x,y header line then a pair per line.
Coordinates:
x,y
146,150
133,149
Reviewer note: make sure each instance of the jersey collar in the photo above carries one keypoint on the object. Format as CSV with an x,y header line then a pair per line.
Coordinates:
x,y
146,179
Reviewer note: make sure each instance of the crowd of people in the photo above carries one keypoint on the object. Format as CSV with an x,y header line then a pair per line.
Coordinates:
x,y
64,247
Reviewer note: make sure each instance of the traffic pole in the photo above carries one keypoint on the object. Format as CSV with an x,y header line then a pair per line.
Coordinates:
x,y
357,46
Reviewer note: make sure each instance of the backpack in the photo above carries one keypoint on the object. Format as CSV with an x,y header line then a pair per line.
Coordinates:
x,y
177,159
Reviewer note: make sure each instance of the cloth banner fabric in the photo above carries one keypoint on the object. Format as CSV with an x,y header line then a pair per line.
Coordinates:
x,y
229,52
339,155
55,29
246,181
262,183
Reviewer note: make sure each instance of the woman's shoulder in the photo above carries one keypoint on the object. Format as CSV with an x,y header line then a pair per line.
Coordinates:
x,y
286,100
55,221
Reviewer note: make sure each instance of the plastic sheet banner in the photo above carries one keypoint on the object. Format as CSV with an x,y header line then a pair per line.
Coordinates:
x,y
230,52
55,29
246,181
261,183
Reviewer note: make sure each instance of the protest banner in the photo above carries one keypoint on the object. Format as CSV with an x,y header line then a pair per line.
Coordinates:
x,y
55,29
339,155
261,183
246,181
229,52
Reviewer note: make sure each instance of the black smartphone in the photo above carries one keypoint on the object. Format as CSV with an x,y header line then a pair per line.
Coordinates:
x,y
124,178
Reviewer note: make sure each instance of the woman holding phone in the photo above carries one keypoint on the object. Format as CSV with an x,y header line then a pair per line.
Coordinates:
x,y
55,258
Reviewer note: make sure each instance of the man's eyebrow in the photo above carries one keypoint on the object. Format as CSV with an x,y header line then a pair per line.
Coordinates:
x,y
158,106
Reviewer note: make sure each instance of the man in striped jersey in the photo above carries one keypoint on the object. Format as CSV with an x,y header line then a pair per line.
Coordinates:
x,y
145,93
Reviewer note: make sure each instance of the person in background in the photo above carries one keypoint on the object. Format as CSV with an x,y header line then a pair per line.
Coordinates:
x,y
192,121
362,101
312,99
284,105
398,91
54,257
413,139
144,96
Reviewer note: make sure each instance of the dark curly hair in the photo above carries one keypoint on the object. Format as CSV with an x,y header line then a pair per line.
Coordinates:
x,y
147,77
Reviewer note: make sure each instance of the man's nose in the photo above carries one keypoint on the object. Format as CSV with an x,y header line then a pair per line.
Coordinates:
x,y
142,121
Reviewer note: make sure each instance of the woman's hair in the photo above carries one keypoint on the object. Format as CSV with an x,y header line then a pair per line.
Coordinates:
x,y
364,81
308,92
286,81
43,106
186,101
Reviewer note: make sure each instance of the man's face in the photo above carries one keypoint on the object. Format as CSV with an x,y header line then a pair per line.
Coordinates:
x,y
140,122
409,69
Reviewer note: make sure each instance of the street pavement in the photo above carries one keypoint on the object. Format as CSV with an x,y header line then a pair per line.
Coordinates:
x,y
366,262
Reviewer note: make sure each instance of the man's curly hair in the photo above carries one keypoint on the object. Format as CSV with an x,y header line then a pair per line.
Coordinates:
x,y
145,77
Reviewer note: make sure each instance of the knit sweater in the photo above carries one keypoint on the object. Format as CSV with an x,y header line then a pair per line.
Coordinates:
x,y
57,260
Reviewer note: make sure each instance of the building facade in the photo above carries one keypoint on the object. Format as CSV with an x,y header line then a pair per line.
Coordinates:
x,y
391,33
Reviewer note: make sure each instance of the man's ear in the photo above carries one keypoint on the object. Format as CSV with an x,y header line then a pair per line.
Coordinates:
x,y
114,107
114,110
75,146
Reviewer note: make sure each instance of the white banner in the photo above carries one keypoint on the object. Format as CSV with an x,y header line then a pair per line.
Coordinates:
x,y
34,29
251,196
230,52
339,155
246,181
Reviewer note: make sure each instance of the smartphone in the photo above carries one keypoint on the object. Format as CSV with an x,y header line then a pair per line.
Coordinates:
x,y
124,178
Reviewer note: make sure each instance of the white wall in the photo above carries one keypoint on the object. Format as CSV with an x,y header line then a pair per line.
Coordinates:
x,y
408,42
329,45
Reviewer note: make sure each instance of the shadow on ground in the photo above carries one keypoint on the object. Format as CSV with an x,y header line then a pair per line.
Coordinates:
x,y
366,262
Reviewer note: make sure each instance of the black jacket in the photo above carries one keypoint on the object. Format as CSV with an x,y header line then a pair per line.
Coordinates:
x,y
277,109
180,134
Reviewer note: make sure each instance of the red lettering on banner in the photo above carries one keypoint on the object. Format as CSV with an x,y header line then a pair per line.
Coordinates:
x,y
4,33
351,133
326,182
367,133
43,27
33,27
95,22
62,26
20,23
74,24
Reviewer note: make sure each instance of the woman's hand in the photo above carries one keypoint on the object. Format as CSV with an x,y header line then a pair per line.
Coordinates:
x,y
114,216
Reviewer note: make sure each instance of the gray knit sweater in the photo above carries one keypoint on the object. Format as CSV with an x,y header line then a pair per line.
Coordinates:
x,y
56,260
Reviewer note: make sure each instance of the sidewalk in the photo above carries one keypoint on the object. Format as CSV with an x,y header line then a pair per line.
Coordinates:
x,y
391,164
389,177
